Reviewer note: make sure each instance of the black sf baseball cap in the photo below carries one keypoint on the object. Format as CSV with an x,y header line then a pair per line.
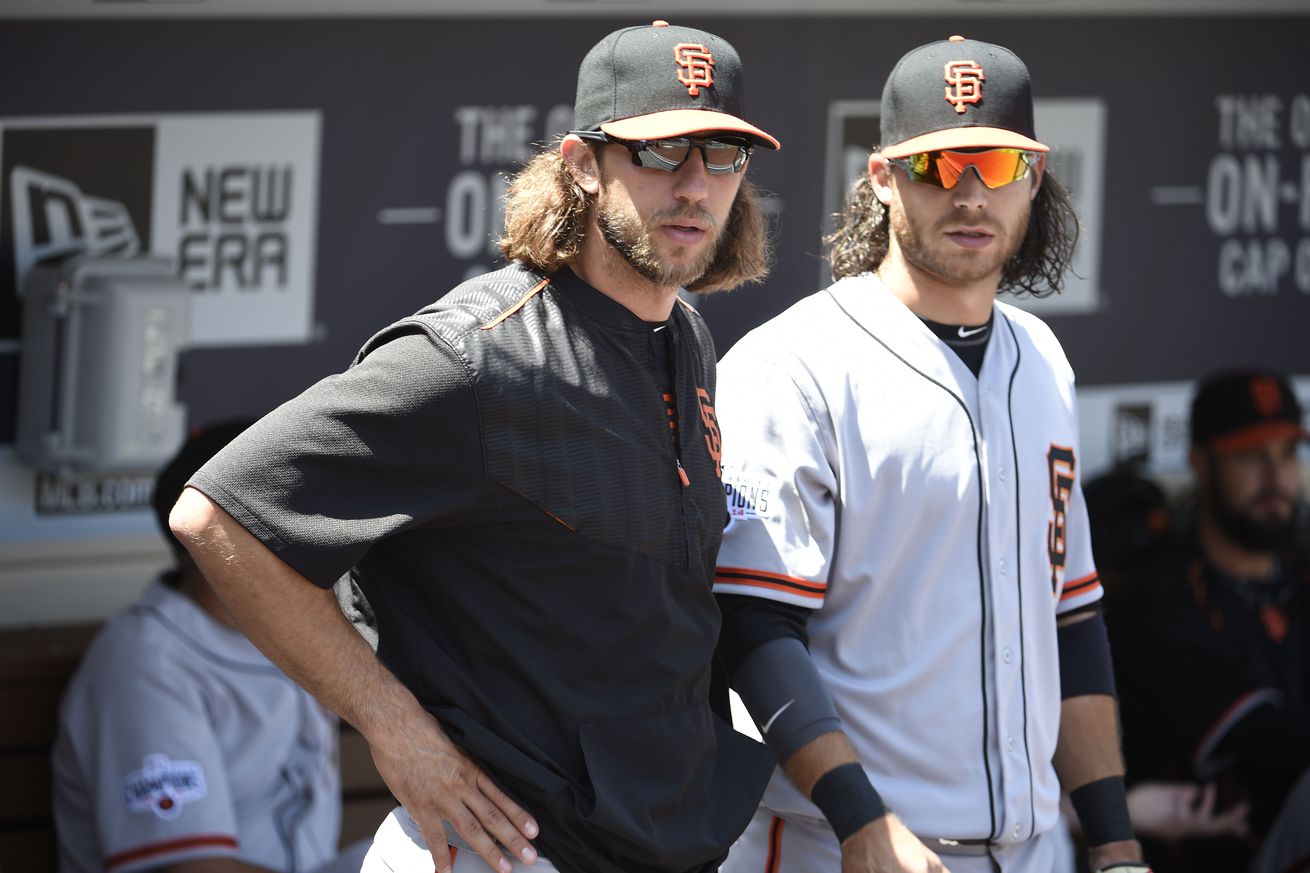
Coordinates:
x,y
957,93
1241,409
659,81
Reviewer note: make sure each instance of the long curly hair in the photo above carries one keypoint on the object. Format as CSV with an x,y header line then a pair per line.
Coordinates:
x,y
546,221
863,232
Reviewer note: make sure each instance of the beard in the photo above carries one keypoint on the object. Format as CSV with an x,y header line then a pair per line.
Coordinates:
x,y
1269,534
623,229
925,248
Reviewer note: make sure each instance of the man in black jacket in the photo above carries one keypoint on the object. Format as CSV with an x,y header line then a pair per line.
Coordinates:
x,y
523,479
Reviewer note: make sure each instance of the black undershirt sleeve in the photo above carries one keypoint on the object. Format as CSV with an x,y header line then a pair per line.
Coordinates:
x,y
770,667
766,644
749,622
1084,650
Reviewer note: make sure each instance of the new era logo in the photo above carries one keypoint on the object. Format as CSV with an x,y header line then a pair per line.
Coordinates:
x,y
70,189
52,217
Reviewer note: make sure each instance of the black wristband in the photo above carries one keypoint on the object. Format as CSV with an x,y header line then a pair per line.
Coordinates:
x,y
847,799
1102,808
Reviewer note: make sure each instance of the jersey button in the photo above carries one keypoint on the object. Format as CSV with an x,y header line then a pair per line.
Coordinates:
x,y
1002,566
1009,743
1016,832
1007,656
1000,473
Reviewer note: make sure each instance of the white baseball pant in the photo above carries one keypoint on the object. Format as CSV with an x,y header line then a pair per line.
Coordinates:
x,y
776,845
398,847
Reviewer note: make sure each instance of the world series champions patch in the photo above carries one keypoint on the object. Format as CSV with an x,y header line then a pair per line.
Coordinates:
x,y
749,498
163,787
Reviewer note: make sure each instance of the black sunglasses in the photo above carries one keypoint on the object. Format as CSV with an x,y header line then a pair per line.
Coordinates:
x,y
722,154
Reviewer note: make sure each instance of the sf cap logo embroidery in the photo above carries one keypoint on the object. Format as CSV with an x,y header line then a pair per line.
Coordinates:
x,y
697,66
965,79
1265,395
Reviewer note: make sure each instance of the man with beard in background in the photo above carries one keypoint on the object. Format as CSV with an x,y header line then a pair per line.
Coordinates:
x,y
1213,636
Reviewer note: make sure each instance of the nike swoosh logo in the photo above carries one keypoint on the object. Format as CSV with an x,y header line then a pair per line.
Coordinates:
x,y
764,728
965,334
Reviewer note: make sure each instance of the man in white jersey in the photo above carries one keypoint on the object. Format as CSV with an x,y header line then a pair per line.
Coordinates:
x,y
181,747
907,582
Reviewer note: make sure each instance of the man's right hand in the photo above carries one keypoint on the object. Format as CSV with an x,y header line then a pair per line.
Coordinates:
x,y
885,845
299,627
437,783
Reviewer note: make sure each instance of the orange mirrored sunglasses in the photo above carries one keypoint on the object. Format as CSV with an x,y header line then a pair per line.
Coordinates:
x,y
943,168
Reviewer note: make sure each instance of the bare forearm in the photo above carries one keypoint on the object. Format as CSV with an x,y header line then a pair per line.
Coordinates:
x,y
1088,748
295,623
300,628
816,758
881,845
1087,752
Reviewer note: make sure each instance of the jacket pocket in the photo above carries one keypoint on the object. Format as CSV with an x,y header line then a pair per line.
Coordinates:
x,y
677,786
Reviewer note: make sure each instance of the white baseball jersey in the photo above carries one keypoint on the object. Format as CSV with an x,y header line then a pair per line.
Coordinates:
x,y
934,522
179,740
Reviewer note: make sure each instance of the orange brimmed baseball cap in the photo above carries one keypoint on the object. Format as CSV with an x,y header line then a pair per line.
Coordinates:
x,y
659,81
1241,409
957,93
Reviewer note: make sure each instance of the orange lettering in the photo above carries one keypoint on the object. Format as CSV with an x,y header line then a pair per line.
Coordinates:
x,y
965,79
697,66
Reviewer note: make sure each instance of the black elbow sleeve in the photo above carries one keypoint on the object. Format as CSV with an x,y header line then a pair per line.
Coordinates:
x,y
1085,663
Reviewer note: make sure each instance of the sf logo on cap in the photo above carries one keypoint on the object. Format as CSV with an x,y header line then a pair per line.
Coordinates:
x,y
697,66
965,79
1265,395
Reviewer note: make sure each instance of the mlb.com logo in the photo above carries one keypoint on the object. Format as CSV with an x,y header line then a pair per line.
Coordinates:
x,y
231,198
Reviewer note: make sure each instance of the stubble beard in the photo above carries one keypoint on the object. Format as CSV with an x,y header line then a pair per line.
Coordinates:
x,y
624,231
1268,534
916,243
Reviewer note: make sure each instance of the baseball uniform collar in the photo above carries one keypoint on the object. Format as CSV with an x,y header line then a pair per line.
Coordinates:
x,y
597,305
882,313
181,616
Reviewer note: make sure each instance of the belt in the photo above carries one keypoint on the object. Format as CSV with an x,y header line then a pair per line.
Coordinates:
x,y
946,846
